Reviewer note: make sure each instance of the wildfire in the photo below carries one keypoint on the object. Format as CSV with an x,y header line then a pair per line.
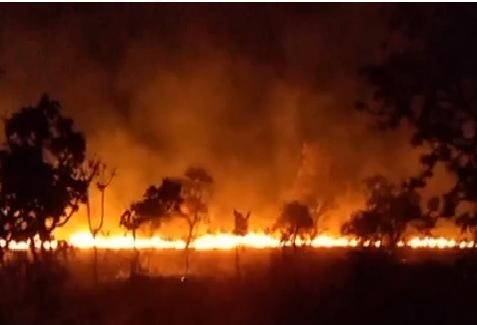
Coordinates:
x,y
252,240
225,241
207,242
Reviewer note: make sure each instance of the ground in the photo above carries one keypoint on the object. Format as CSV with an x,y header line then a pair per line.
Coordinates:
x,y
292,288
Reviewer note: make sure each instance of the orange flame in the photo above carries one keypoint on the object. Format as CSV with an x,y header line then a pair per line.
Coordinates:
x,y
224,241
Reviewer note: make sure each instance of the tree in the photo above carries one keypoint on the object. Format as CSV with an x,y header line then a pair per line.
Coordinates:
x,y
185,198
294,219
429,217
314,184
319,209
157,205
427,76
241,223
240,229
41,175
389,209
104,180
196,191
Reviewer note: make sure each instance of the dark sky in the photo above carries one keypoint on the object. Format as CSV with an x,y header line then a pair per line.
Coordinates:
x,y
236,88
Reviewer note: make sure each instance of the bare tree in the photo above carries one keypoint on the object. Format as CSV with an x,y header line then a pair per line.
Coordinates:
x,y
104,180
320,209
240,229
314,183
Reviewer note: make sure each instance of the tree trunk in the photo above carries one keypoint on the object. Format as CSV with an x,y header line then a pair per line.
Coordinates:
x,y
315,227
237,261
33,250
396,237
43,252
135,261
102,212
186,251
295,233
95,261
93,234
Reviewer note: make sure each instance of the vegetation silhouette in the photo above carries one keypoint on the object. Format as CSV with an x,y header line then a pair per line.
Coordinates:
x,y
389,210
319,209
240,229
104,179
43,174
427,76
196,192
183,197
157,205
313,184
295,219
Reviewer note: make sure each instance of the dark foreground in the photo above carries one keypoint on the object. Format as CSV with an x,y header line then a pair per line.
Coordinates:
x,y
370,288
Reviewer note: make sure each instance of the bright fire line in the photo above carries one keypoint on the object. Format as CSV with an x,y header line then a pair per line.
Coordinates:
x,y
224,241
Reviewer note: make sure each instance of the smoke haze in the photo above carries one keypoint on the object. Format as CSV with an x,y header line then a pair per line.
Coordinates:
x,y
236,89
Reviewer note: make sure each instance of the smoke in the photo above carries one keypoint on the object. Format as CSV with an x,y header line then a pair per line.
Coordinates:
x,y
237,89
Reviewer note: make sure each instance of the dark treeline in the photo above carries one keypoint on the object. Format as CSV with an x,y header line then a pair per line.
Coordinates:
x,y
426,76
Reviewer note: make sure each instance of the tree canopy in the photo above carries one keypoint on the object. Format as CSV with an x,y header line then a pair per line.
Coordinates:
x,y
295,218
196,190
389,209
427,76
42,174
158,204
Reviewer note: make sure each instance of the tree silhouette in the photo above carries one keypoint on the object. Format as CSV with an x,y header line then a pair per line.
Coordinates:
x,y
196,191
157,205
104,180
240,229
427,76
42,176
389,209
319,209
314,183
241,223
429,217
294,219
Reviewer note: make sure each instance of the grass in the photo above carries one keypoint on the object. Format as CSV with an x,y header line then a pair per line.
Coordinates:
x,y
308,288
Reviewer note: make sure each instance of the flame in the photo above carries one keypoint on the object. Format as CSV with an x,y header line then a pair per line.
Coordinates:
x,y
207,242
254,240
24,245
441,242
225,241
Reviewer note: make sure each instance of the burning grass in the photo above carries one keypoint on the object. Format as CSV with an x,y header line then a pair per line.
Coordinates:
x,y
227,241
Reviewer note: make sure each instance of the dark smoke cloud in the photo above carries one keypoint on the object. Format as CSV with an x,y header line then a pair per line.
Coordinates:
x,y
236,88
